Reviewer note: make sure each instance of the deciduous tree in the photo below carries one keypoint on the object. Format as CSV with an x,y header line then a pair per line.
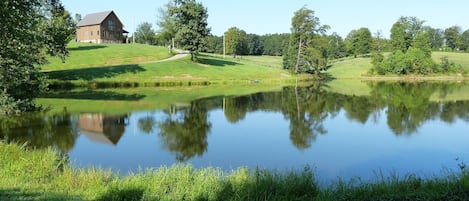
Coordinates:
x,y
29,31
359,42
236,41
166,24
191,25
435,36
465,40
305,28
453,37
145,33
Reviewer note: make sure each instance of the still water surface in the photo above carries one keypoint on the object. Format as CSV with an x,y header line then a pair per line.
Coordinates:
x,y
399,128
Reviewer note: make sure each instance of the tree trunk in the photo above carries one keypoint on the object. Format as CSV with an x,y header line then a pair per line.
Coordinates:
x,y
297,102
298,57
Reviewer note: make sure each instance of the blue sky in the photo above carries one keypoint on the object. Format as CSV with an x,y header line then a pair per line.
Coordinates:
x,y
274,16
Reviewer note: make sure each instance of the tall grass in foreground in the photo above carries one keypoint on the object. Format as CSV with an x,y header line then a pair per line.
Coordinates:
x,y
45,175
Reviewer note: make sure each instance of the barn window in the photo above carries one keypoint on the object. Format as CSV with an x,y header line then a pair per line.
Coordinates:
x,y
110,25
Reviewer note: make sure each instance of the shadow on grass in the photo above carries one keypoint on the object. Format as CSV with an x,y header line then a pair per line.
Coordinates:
x,y
123,194
212,61
91,47
327,77
93,73
93,95
17,194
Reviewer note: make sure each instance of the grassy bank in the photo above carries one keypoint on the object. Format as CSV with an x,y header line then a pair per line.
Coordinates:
x,y
44,175
100,66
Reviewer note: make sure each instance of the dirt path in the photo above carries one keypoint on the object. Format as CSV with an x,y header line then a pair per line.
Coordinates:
x,y
180,54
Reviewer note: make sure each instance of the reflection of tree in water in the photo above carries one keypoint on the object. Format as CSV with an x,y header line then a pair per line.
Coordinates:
x,y
185,132
408,104
147,124
41,130
306,109
452,110
235,109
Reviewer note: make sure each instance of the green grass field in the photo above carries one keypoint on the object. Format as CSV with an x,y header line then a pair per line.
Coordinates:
x,y
86,55
138,65
44,175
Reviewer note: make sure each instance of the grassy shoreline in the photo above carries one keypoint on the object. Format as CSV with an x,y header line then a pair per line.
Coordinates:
x,y
45,175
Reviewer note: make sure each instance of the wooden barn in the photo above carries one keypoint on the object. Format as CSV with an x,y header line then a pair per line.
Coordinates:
x,y
102,27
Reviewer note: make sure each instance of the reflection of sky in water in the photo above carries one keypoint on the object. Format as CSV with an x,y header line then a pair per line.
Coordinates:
x,y
349,149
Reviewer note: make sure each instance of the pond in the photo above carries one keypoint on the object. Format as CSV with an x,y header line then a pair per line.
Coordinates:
x,y
398,128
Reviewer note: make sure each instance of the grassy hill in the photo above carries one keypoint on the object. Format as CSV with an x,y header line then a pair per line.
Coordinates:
x,y
86,55
139,65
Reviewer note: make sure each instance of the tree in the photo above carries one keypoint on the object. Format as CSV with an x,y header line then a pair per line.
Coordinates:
x,y
404,31
166,23
255,46
191,25
422,42
453,37
411,50
305,27
359,42
145,34
236,41
77,18
399,37
275,44
336,46
214,44
465,40
436,37
380,43
30,30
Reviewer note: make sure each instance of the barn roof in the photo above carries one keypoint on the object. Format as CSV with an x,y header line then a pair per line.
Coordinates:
x,y
94,18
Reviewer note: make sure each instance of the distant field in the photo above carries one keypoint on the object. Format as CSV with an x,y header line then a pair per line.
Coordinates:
x,y
138,65
459,58
357,68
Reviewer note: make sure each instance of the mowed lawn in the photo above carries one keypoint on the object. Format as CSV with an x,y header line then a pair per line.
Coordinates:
x,y
86,55
142,64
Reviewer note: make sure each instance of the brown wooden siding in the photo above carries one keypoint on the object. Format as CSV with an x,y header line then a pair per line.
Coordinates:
x,y
109,31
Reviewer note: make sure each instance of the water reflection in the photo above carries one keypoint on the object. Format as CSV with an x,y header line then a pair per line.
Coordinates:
x,y
183,129
41,130
105,129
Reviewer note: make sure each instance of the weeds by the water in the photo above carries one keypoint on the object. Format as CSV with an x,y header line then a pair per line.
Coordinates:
x,y
45,175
